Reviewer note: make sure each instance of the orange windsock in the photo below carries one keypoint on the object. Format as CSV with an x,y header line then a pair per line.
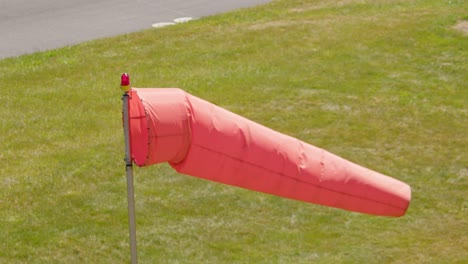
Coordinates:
x,y
200,139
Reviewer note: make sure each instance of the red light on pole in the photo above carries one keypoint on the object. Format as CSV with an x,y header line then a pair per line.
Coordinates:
x,y
125,82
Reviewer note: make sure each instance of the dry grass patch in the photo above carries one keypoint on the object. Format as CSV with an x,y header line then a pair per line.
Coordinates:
x,y
462,26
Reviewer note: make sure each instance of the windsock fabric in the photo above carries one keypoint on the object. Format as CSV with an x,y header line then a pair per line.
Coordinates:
x,y
203,140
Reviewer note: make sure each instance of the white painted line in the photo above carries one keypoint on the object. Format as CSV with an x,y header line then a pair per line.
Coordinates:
x,y
182,19
176,21
162,24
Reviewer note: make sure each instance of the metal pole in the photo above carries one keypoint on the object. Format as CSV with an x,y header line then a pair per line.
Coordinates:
x,y
129,171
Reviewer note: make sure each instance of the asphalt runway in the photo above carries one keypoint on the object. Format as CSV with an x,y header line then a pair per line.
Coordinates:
x,y
28,26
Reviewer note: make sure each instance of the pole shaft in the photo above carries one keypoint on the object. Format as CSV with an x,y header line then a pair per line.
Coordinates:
x,y
130,189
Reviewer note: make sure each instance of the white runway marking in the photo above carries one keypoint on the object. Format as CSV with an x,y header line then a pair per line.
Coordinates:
x,y
162,24
176,21
183,19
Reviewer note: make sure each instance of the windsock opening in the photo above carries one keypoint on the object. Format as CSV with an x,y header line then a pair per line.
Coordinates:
x,y
138,122
159,132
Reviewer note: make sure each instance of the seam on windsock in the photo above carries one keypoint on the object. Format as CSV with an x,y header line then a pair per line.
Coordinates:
x,y
148,129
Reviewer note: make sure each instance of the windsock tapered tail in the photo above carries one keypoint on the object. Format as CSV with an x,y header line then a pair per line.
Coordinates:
x,y
200,139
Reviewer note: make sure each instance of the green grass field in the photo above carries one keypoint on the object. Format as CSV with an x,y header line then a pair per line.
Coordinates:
x,y
381,83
